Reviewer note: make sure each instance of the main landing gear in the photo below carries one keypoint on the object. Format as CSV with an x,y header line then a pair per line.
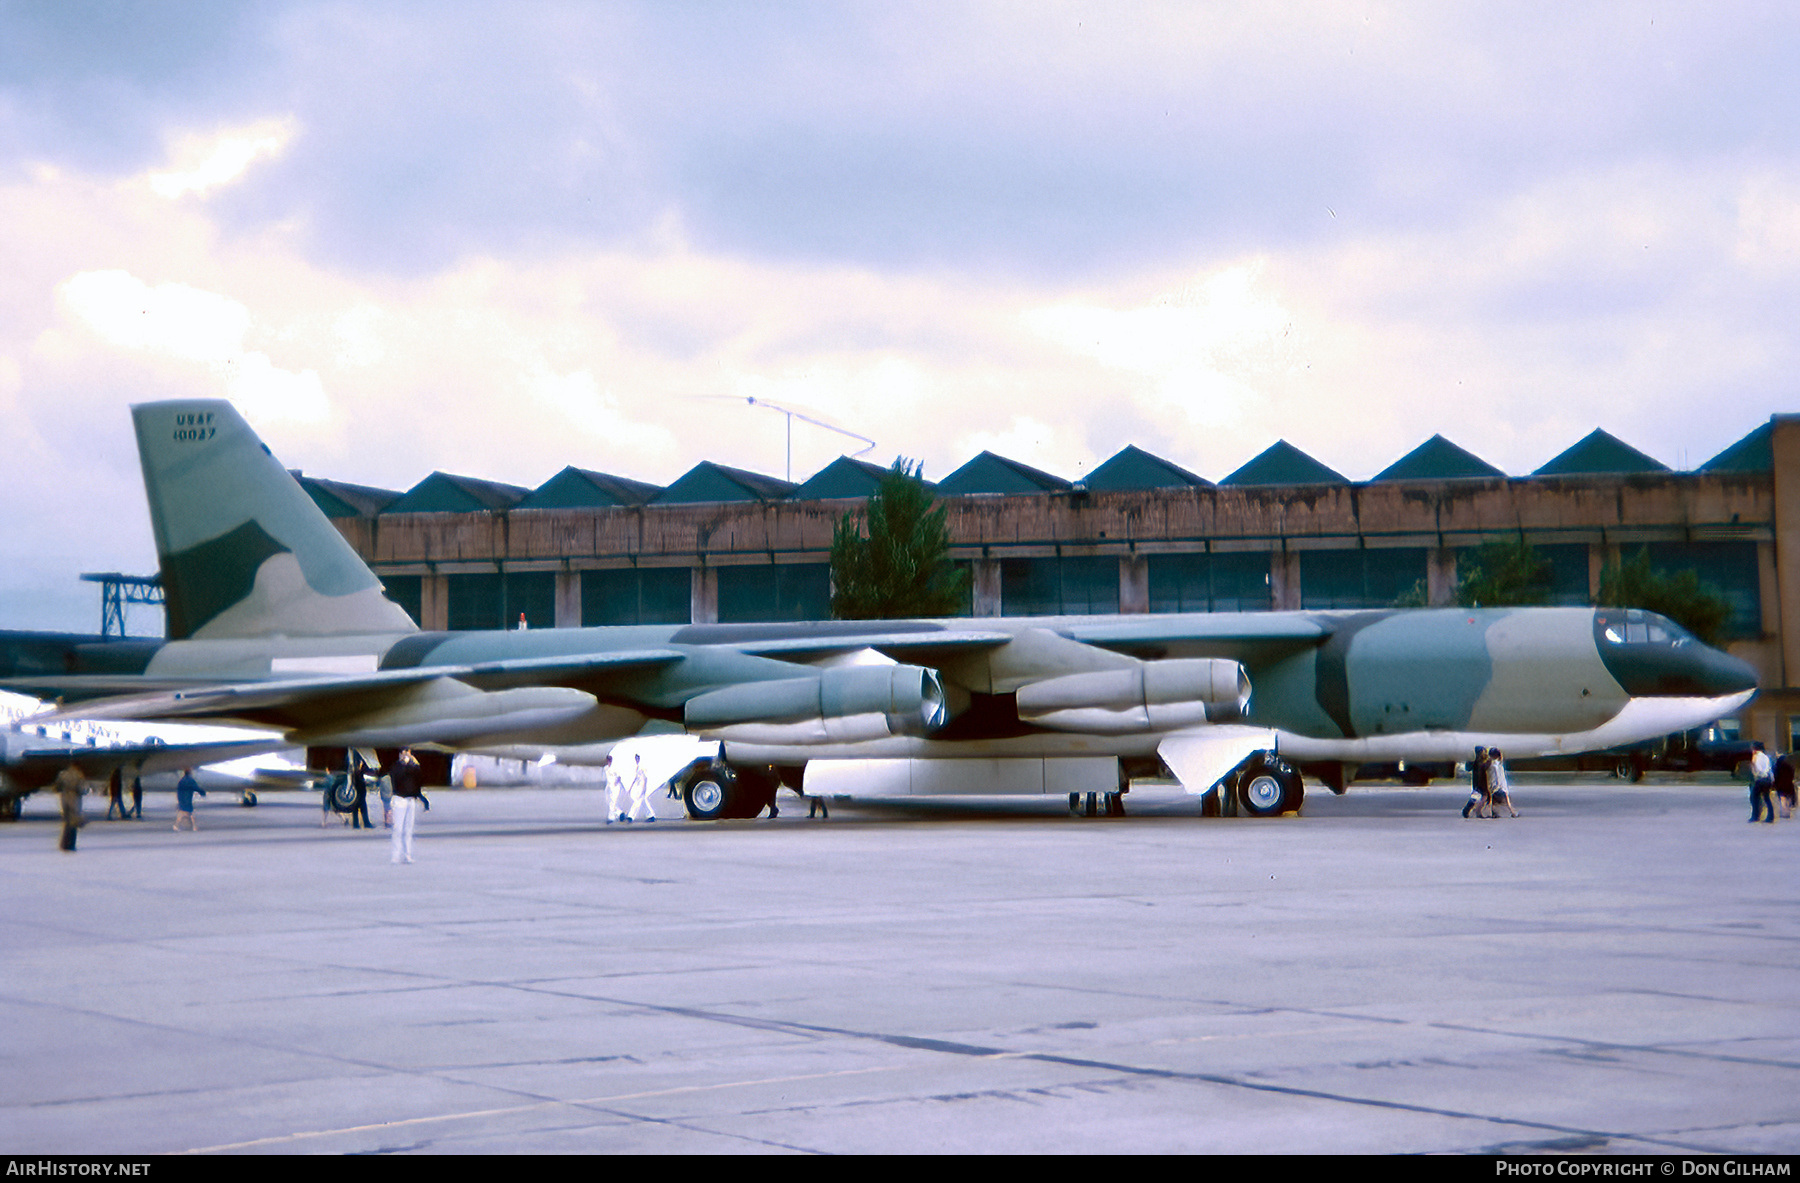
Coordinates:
x,y
1265,785
713,790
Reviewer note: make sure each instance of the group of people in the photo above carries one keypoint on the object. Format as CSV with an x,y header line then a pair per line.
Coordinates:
x,y
1489,790
402,797
1771,785
71,786
637,790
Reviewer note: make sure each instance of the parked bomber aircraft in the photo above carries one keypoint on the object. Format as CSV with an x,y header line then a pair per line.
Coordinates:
x,y
274,621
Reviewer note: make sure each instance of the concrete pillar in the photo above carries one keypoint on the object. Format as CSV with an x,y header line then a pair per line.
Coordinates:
x,y
1440,576
1134,583
1785,452
434,603
984,577
1599,555
1284,581
568,599
704,595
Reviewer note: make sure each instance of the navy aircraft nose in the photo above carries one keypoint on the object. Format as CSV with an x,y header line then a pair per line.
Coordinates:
x,y
1651,656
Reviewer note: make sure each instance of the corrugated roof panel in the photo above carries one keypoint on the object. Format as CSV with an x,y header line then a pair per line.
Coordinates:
x,y
1437,459
988,473
341,500
444,492
843,477
707,481
1601,452
581,488
1281,463
1754,453
1133,468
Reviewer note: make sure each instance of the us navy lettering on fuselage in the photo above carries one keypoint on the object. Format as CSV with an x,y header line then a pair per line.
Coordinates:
x,y
192,427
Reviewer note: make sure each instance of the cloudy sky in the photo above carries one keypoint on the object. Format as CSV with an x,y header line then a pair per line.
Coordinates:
x,y
499,239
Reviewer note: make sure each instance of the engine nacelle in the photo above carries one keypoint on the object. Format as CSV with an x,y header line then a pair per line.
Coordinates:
x,y
869,701
1151,696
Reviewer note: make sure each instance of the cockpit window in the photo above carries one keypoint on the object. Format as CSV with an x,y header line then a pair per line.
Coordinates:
x,y
1634,626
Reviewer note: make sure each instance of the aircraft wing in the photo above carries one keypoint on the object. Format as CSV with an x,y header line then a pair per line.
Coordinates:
x,y
1225,631
33,760
916,648
244,699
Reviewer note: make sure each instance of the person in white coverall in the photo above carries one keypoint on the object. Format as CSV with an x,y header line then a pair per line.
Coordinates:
x,y
640,791
615,789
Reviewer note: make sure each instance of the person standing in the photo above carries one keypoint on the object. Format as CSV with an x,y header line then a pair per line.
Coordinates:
x,y
185,788
615,789
1498,789
1784,783
640,791
1762,780
409,798
71,783
359,813
137,797
1479,784
115,795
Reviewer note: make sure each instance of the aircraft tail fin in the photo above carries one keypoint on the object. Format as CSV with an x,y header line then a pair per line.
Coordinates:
x,y
244,550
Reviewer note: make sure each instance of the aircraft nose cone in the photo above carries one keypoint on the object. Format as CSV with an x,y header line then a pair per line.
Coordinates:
x,y
1686,671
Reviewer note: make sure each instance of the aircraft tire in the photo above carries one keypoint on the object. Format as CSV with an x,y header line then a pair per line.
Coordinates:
x,y
249,799
1268,788
343,796
708,793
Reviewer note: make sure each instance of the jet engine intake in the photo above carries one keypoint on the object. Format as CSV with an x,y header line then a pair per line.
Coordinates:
x,y
890,699
1152,696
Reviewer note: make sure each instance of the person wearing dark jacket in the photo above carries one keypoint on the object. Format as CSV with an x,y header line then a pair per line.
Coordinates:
x,y
71,783
185,788
408,799
1480,795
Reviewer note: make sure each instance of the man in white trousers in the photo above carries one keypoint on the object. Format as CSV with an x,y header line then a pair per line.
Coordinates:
x,y
408,800
640,791
615,789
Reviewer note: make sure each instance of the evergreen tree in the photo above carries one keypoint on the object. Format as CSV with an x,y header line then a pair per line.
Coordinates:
x,y
1683,597
1504,575
901,566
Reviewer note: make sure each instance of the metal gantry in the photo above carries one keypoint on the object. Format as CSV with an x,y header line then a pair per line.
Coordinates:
x,y
118,590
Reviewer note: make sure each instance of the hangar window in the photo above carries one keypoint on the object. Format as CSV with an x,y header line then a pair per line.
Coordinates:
x,y
497,601
1359,578
1066,586
637,595
1209,582
783,591
1731,567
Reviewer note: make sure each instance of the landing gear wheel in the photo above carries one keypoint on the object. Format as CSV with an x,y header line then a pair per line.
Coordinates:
x,y
708,793
1268,788
343,796
249,799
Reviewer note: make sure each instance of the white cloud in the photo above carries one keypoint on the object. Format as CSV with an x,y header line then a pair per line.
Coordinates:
x,y
177,321
202,162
